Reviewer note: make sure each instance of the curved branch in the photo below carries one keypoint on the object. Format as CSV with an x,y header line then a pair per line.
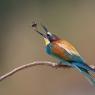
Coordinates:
x,y
92,66
22,67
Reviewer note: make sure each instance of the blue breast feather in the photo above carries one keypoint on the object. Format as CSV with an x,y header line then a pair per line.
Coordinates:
x,y
48,49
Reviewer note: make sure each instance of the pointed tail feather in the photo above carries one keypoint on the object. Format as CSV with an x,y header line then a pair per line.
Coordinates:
x,y
86,74
85,66
89,77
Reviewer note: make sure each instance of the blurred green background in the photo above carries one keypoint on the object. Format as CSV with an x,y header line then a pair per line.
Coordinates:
x,y
73,20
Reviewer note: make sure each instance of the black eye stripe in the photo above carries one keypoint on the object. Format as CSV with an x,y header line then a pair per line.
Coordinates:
x,y
48,35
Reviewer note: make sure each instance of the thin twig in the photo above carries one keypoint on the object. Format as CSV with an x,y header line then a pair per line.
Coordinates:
x,y
52,64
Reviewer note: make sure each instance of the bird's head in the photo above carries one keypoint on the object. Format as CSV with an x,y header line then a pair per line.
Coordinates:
x,y
48,37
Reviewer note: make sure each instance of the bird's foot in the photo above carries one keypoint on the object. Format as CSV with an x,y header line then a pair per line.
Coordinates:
x,y
61,64
55,65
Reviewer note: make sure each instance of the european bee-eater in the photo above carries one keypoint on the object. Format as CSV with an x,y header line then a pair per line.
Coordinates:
x,y
65,52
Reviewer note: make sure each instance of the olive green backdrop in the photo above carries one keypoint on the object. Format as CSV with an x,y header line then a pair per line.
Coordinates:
x,y
73,20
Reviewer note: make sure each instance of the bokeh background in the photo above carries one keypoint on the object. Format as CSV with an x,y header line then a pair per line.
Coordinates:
x,y
73,20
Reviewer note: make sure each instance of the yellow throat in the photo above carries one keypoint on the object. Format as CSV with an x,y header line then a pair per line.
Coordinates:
x,y
46,41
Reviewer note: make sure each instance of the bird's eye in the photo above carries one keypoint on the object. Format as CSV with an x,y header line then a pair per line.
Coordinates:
x,y
48,35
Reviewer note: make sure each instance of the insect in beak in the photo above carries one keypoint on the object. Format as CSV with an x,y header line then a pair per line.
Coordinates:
x,y
34,26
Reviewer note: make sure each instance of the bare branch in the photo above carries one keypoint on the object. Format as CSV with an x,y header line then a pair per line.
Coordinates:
x,y
92,66
22,67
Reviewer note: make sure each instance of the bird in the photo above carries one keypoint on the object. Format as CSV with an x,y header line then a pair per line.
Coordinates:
x,y
65,52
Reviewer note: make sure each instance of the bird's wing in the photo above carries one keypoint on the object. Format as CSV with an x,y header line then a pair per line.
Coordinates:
x,y
67,51
68,47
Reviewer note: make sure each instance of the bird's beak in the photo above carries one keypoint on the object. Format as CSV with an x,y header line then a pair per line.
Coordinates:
x,y
46,30
41,34
34,26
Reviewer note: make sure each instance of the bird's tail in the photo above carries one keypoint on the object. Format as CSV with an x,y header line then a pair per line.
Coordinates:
x,y
86,74
89,77
85,66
